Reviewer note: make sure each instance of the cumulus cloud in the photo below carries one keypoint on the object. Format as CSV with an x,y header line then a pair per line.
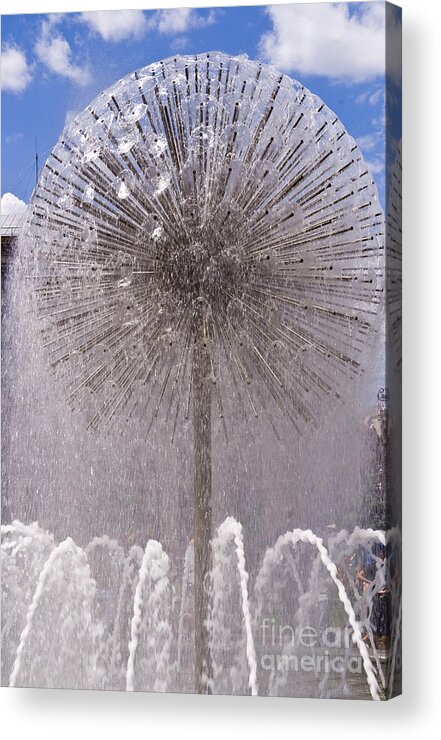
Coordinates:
x,y
174,21
180,43
376,165
333,40
53,50
16,72
372,144
371,96
181,20
13,138
116,25
11,205
368,142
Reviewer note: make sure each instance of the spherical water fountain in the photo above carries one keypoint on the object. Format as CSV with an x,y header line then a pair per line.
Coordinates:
x,y
205,235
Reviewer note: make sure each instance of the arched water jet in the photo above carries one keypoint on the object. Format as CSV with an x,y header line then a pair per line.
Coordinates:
x,y
232,530
151,596
342,547
298,535
106,560
78,626
132,563
24,551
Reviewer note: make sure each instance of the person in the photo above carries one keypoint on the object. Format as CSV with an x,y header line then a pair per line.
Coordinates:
x,y
381,612
366,569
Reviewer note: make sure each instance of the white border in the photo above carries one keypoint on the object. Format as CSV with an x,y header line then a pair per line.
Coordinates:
x,y
77,714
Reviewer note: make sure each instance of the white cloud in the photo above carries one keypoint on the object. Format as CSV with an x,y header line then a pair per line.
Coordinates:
x,y
377,96
10,204
174,21
327,39
181,20
53,50
372,143
371,96
180,43
376,166
368,142
13,138
16,72
69,116
116,25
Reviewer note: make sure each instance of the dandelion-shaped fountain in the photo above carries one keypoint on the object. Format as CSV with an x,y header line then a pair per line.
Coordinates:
x,y
205,229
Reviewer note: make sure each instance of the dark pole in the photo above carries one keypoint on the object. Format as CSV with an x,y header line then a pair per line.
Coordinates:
x,y
202,503
36,163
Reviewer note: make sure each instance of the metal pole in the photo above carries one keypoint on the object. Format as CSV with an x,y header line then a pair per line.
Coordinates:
x,y
202,504
36,162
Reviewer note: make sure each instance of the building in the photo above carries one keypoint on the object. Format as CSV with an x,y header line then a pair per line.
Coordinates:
x,y
11,224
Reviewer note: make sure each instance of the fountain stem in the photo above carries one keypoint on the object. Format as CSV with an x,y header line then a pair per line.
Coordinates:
x,y
202,503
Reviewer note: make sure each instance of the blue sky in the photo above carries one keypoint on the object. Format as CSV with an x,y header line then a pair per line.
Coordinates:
x,y
53,65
